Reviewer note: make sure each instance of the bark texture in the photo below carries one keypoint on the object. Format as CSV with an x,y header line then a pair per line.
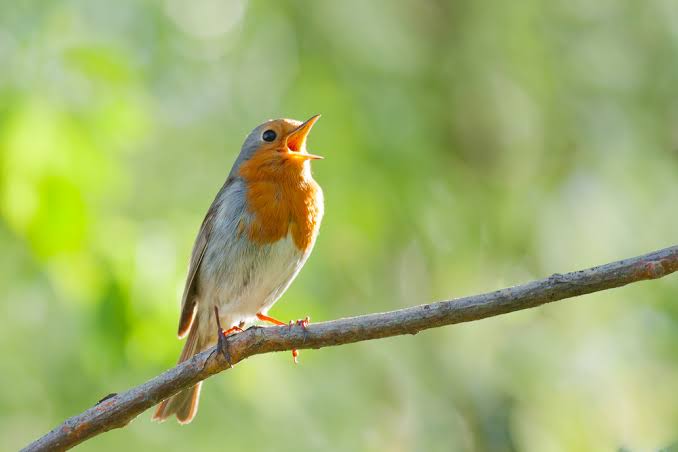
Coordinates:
x,y
118,410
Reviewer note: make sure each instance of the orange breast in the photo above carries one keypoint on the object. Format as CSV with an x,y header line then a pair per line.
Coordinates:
x,y
282,200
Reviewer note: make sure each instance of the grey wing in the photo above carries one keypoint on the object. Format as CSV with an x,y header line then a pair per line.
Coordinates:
x,y
189,299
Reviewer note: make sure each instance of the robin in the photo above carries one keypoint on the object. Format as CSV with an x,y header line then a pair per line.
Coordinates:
x,y
256,236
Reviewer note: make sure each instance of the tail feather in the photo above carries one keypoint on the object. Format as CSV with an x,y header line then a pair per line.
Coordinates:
x,y
183,405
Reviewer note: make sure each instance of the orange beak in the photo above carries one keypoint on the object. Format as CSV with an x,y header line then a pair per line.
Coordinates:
x,y
296,141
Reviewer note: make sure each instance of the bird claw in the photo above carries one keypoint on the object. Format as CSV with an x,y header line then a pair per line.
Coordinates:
x,y
300,322
222,347
304,324
222,341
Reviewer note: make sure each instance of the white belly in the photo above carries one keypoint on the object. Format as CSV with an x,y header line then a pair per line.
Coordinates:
x,y
247,279
270,275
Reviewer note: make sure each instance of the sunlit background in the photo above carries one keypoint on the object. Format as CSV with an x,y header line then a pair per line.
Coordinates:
x,y
469,145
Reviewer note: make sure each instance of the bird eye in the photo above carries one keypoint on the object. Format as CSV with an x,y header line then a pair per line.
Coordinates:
x,y
269,135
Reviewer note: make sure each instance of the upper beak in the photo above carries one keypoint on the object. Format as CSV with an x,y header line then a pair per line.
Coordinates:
x,y
296,141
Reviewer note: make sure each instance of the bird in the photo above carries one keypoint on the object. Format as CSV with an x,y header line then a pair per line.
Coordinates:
x,y
255,238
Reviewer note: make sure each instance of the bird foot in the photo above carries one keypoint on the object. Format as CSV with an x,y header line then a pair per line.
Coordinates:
x,y
222,348
302,322
222,341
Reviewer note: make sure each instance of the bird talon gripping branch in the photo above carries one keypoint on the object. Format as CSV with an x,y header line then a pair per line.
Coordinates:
x,y
222,342
300,322
222,348
304,324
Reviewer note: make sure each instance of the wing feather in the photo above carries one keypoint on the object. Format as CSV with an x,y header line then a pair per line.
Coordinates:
x,y
189,299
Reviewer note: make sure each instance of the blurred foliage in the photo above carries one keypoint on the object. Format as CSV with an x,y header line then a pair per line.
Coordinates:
x,y
469,145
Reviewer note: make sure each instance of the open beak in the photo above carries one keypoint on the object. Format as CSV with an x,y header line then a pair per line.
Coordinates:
x,y
296,141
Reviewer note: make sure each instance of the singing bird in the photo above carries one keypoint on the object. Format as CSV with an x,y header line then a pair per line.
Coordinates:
x,y
256,236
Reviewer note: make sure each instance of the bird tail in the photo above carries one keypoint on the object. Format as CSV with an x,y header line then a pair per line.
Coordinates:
x,y
183,405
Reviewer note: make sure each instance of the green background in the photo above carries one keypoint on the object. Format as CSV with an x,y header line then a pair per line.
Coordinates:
x,y
470,145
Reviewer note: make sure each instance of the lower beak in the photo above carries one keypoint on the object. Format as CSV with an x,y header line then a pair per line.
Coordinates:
x,y
296,141
306,156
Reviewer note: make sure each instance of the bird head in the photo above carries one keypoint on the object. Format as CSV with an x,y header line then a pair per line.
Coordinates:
x,y
276,145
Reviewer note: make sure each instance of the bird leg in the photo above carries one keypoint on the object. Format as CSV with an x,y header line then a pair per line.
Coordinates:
x,y
303,323
222,343
265,318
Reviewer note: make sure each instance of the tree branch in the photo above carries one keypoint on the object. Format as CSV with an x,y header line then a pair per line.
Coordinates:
x,y
117,411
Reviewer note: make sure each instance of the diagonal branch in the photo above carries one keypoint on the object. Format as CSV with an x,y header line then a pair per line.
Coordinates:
x,y
119,410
